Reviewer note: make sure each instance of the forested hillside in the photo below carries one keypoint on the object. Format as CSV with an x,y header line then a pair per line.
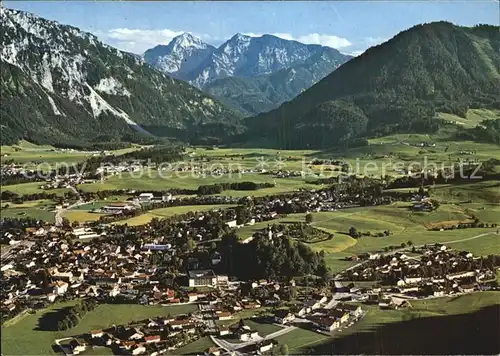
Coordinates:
x,y
61,85
263,93
394,87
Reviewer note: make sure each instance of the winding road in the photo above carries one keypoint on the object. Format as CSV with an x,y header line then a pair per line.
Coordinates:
x,y
59,212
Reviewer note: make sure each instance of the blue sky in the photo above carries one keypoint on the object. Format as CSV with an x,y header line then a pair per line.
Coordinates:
x,y
350,26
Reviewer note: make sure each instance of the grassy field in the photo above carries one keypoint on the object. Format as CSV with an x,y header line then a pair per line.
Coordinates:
x,y
26,152
472,118
411,330
154,181
81,215
166,212
299,339
38,209
263,328
479,192
404,225
197,347
24,337
32,188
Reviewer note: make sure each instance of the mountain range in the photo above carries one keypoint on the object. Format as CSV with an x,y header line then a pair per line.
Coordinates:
x,y
63,86
397,86
60,84
251,74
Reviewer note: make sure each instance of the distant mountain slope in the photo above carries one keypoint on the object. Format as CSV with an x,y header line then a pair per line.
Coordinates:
x,y
60,84
181,56
266,92
252,74
396,86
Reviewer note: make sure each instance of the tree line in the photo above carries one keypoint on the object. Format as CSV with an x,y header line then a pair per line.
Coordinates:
x,y
220,187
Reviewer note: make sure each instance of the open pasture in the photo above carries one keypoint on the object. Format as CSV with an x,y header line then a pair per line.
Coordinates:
x,y
166,212
37,209
472,118
403,224
31,154
152,180
32,188
15,336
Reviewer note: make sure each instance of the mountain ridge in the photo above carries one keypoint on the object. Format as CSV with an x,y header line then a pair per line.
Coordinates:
x,y
394,87
61,84
250,59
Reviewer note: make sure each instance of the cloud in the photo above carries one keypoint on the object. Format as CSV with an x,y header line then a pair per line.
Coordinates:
x,y
139,40
355,53
325,40
362,45
312,38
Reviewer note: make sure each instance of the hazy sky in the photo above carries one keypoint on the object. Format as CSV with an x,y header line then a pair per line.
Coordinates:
x,y
350,26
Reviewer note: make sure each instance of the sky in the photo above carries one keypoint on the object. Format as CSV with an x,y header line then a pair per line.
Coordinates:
x,y
350,26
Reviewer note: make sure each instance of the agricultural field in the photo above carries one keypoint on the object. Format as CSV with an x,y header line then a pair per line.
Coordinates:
x,y
37,209
300,339
196,347
477,192
14,336
404,225
81,215
472,118
166,212
31,154
32,188
152,180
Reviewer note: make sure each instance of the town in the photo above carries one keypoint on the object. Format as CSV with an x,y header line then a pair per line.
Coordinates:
x,y
195,262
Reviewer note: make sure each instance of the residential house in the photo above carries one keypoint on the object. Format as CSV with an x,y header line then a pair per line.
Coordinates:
x,y
223,315
198,278
325,323
283,317
152,339
467,288
60,287
339,315
96,333
213,351
77,346
353,309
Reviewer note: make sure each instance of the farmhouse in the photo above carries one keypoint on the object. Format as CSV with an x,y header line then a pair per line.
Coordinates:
x,y
145,197
283,317
198,278
117,208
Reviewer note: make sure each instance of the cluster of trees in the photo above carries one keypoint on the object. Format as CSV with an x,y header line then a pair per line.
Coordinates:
x,y
279,258
220,187
355,233
12,179
474,224
7,195
484,171
298,231
71,316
